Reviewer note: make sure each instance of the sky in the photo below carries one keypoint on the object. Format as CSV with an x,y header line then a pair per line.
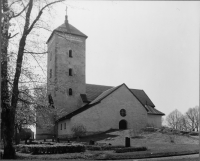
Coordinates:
x,y
147,45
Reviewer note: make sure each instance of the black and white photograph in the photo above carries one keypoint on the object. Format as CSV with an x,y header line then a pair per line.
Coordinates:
x,y
99,80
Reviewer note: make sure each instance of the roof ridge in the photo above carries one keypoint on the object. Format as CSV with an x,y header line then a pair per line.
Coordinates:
x,y
99,85
110,89
136,89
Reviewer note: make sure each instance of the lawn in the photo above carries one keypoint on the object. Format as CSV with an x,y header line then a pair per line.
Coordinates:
x,y
157,143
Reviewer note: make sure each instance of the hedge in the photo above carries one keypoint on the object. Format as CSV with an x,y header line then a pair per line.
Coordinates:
x,y
130,149
50,149
99,148
194,134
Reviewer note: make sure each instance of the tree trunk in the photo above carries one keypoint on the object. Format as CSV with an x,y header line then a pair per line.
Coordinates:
x,y
17,137
8,103
7,110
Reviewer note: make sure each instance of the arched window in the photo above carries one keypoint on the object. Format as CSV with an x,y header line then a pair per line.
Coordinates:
x,y
70,71
65,125
123,112
70,53
70,91
50,99
50,73
50,53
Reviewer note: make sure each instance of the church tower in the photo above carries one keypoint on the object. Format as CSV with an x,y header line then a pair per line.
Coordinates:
x,y
66,67
65,74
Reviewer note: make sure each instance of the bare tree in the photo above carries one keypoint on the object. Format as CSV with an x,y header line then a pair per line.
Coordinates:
x,y
183,124
174,119
7,112
192,116
196,109
9,102
25,112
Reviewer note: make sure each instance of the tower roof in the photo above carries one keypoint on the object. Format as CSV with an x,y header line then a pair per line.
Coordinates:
x,y
69,30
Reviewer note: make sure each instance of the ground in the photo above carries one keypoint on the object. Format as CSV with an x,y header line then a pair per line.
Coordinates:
x,y
194,157
158,144
147,138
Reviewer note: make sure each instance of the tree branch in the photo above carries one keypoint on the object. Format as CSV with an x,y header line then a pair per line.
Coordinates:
x,y
10,37
38,63
40,13
30,52
13,3
25,101
32,82
43,28
21,11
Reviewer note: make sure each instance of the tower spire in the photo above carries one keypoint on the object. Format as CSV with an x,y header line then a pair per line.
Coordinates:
x,y
66,20
66,10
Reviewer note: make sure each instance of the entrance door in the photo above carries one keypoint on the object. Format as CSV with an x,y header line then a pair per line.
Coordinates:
x,y
123,124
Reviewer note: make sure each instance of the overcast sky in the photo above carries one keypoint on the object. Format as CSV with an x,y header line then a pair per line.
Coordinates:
x,y
152,46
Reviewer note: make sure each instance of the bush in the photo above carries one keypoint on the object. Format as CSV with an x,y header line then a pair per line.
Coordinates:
x,y
137,137
130,149
149,129
99,148
25,134
194,134
184,132
50,149
78,130
93,148
176,131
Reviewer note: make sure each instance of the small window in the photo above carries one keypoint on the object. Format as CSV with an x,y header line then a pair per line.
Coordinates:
x,y
50,99
65,125
70,71
50,55
70,53
70,91
123,112
60,126
50,73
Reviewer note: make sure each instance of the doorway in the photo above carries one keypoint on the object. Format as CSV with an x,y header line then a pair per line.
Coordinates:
x,y
123,124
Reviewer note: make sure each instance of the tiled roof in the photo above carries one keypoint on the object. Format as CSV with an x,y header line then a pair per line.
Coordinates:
x,y
84,98
104,94
142,96
151,110
70,115
93,91
70,30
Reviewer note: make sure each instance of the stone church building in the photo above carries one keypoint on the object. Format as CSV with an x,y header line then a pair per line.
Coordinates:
x,y
96,107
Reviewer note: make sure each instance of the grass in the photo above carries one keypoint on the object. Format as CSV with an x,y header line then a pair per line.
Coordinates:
x,y
95,137
158,145
106,155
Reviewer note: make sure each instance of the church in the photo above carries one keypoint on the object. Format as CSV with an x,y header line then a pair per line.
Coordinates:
x,y
97,108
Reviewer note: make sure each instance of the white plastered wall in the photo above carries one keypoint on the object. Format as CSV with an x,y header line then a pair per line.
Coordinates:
x,y
106,114
154,120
